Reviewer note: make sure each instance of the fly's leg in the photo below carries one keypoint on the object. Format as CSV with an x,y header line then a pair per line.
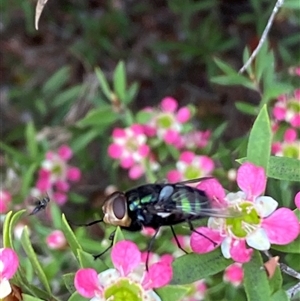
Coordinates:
x,y
150,245
88,224
111,238
177,241
194,230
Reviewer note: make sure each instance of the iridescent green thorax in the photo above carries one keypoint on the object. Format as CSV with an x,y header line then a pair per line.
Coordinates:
x,y
247,222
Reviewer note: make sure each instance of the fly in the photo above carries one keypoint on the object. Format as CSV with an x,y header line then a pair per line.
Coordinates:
x,y
156,205
40,205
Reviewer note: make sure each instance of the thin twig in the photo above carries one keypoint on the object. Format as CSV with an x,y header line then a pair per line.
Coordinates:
x,y
291,292
278,4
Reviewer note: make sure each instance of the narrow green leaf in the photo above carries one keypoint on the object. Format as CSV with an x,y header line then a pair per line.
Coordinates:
x,y
120,81
174,293
284,168
226,68
76,297
15,218
99,117
293,247
66,97
57,80
30,298
70,236
31,141
280,295
276,281
55,214
87,260
259,144
131,93
255,279
230,80
119,236
69,282
103,83
6,233
192,267
28,178
247,108
82,141
26,244
18,156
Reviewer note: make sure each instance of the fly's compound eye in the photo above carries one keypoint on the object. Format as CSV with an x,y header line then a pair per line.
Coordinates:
x,y
119,207
115,210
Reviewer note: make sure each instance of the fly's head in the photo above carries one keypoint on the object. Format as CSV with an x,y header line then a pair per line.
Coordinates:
x,y
115,210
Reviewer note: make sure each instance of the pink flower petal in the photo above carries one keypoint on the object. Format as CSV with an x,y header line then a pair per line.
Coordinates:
x,y
159,274
62,185
169,104
73,174
65,152
9,263
171,137
3,206
136,171
251,179
174,176
297,94
137,129
118,133
295,121
56,240
213,190
43,184
144,150
5,196
279,113
234,274
115,150
86,283
125,256
207,164
126,162
276,147
282,226
290,135
297,198
200,244
187,157
60,197
239,251
183,115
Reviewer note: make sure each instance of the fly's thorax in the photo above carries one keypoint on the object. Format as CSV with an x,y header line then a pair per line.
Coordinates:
x,y
115,210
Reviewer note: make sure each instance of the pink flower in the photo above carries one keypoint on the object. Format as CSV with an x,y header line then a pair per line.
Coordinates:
x,y
287,108
56,240
197,291
191,166
55,173
297,200
125,279
9,263
255,221
167,123
193,140
234,274
5,198
290,147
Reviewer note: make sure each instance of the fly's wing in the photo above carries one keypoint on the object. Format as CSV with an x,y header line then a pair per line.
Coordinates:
x,y
186,201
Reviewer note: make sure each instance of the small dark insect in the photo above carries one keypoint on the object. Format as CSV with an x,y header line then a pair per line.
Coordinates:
x,y
40,205
156,205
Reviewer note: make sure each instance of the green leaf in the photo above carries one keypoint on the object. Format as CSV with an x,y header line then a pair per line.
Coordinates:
x,y
276,281
280,295
192,267
76,297
69,282
230,80
131,93
66,97
226,68
87,260
57,80
70,237
6,233
120,81
103,116
31,141
55,214
174,293
18,156
28,178
16,217
119,236
247,108
26,244
255,279
26,297
284,168
103,83
143,117
259,144
293,247
82,141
